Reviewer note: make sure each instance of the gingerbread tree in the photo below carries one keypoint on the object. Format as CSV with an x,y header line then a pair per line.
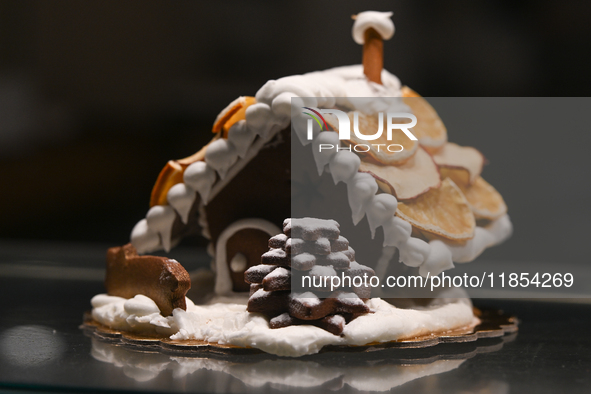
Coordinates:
x,y
309,276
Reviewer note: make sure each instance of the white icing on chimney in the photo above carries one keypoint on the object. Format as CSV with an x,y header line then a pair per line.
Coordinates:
x,y
379,21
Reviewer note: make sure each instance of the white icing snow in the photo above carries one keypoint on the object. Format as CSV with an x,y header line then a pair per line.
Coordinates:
x,y
336,257
349,299
303,259
308,298
283,318
259,294
343,166
319,270
275,252
313,225
278,273
279,238
262,268
231,324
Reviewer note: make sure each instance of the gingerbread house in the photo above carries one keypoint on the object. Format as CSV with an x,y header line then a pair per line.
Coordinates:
x,y
236,191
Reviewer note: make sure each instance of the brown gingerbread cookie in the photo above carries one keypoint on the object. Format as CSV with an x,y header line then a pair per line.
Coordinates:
x,y
321,246
269,303
257,273
310,229
276,257
278,280
278,241
305,261
307,306
350,253
163,280
334,324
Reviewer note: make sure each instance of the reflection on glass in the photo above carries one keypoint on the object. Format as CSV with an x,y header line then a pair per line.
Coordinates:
x,y
31,345
377,373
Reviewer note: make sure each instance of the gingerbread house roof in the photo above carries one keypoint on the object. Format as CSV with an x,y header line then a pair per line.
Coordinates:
x,y
376,189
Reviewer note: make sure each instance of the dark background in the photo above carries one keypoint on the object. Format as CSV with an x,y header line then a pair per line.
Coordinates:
x,y
96,96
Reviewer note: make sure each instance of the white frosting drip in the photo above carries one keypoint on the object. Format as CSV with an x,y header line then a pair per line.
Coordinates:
x,y
241,137
484,237
160,219
200,177
281,105
323,157
438,260
414,252
379,21
224,156
360,191
144,239
181,199
220,155
259,119
343,166
380,210
299,127
299,85
396,231
231,324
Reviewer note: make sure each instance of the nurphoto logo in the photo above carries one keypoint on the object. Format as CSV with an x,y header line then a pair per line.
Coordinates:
x,y
344,129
